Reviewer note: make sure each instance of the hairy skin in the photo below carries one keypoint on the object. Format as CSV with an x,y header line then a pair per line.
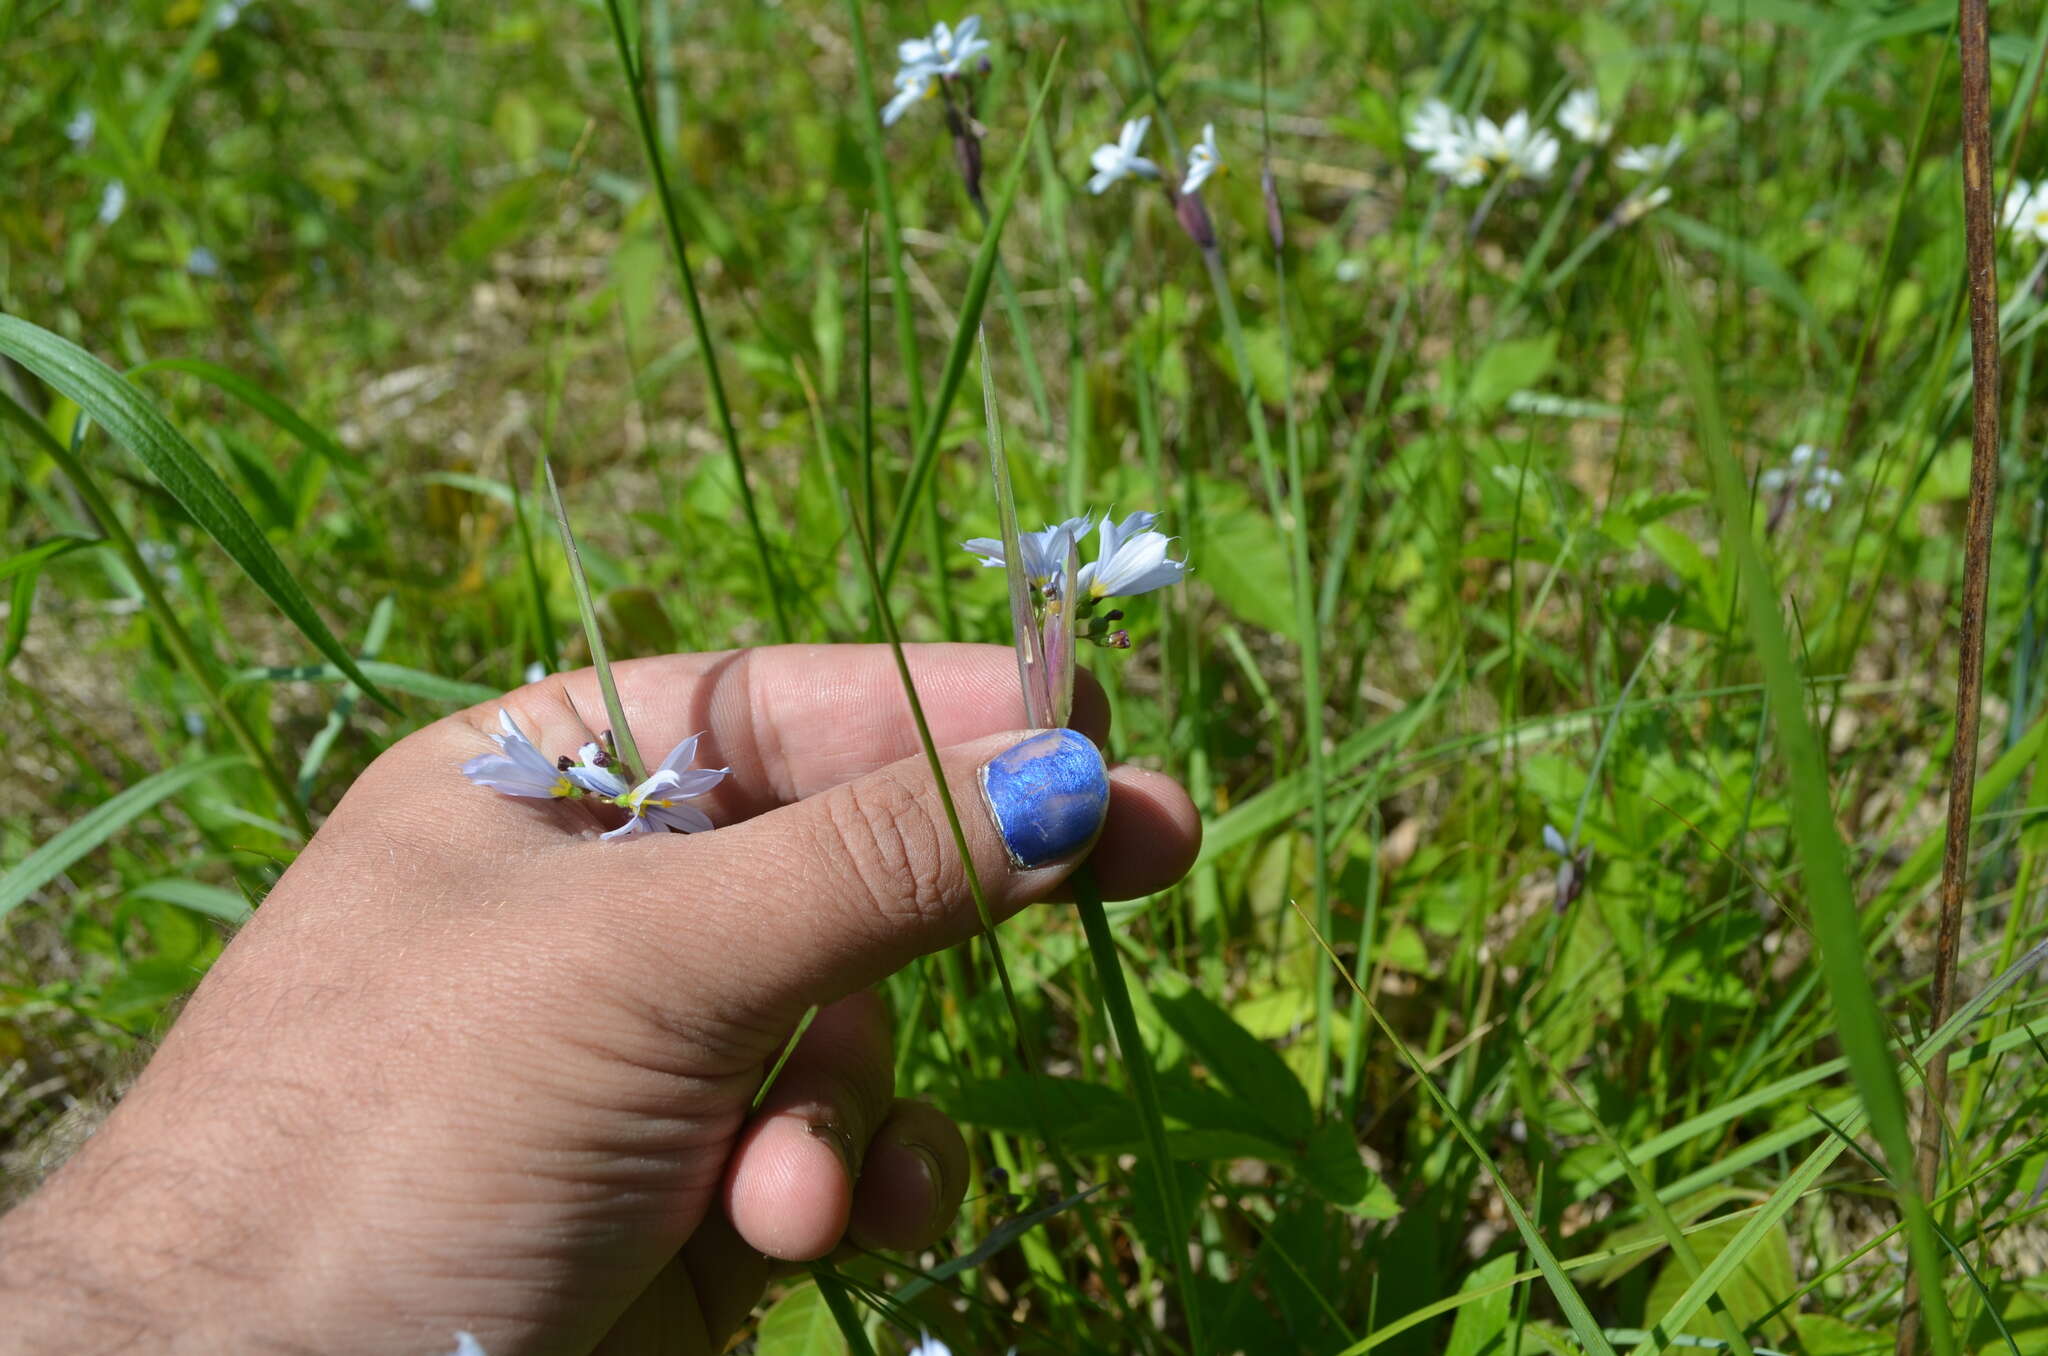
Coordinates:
x,y
470,1069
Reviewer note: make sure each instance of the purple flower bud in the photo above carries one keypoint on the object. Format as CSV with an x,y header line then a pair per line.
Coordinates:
x,y
1276,226
1194,219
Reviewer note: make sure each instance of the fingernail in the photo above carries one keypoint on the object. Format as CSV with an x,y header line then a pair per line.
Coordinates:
x,y
835,1135
1048,795
928,1165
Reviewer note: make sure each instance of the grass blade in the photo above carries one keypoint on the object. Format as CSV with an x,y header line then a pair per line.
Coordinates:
x,y
81,836
964,334
1864,1036
132,421
621,733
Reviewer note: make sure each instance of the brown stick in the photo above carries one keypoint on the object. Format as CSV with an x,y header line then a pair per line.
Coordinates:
x,y
1979,228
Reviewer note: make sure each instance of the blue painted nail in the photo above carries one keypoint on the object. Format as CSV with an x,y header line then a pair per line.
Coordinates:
x,y
1048,795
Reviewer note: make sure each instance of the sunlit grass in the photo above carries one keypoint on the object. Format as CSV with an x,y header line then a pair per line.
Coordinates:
x,y
1473,480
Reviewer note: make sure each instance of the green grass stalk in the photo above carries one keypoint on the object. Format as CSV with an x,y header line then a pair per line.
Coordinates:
x,y
707,354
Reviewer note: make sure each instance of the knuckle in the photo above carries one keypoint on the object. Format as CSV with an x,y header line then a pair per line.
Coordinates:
x,y
901,857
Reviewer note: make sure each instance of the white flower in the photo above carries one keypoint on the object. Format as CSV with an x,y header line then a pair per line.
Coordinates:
x,y
536,671
1808,472
1580,116
78,131
1133,560
465,1342
1437,126
1639,205
1045,553
229,14
1463,164
928,1345
948,50
2026,210
1517,145
420,6
1204,160
113,202
1118,160
913,83
656,803
518,768
1652,159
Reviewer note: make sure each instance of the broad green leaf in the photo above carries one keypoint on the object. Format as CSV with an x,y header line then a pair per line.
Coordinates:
x,y
1244,1065
799,1324
131,420
75,840
1508,367
1764,1281
1482,1326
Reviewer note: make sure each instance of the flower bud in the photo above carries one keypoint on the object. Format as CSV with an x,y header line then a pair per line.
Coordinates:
x,y
1276,226
1194,219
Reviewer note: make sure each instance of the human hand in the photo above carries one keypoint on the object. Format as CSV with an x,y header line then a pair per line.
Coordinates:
x,y
470,1069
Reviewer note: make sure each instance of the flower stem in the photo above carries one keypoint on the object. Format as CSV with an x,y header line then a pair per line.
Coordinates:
x,y
1123,1020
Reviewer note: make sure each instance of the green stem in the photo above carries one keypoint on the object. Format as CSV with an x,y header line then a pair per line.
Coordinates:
x,y
1116,996
651,146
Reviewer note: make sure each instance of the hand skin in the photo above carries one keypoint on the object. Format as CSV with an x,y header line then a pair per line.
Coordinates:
x,y
470,1069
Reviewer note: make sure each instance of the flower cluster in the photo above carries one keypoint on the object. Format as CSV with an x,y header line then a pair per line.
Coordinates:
x,y
1807,475
929,61
1468,151
1132,560
1115,161
654,802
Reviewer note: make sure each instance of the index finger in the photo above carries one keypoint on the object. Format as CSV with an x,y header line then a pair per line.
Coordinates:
x,y
790,720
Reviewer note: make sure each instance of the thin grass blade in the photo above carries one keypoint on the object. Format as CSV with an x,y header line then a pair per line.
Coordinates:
x,y
135,423
599,660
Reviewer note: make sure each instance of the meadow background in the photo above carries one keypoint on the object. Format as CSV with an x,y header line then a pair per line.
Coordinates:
x,y
369,260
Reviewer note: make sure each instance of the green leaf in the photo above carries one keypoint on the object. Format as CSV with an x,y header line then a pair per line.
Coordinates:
x,y
25,569
1244,560
1508,367
397,677
132,421
799,1324
1247,1067
75,840
1333,1170
1764,1280
212,900
1483,1324
261,401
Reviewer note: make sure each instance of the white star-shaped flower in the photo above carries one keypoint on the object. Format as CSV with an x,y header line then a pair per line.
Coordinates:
x,y
1580,116
1204,160
1118,160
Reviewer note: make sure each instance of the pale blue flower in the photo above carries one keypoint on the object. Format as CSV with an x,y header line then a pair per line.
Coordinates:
x,y
467,1345
518,768
1133,560
656,803
1204,160
592,770
1115,161
1808,473
229,14
948,50
913,83
422,7
202,263
1555,841
928,1345
113,202
78,131
1045,553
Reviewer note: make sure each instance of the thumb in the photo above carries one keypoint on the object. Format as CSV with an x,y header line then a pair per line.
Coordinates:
x,y
828,895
